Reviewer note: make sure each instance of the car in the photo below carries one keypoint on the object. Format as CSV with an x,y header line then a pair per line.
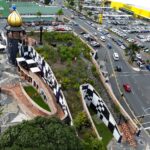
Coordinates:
x,y
146,50
138,56
102,38
86,36
82,32
127,87
148,67
95,44
108,35
72,16
141,63
116,56
123,47
109,46
118,69
95,33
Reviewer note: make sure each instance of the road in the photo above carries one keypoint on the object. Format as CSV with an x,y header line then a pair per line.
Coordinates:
x,y
138,99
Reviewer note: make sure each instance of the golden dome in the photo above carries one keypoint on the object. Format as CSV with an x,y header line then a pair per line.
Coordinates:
x,y
14,19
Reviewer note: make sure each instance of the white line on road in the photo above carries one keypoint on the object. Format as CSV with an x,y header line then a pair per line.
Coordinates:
x,y
145,123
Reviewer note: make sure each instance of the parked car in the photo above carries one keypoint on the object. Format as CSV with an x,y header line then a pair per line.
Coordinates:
x,y
102,38
138,56
127,87
95,44
148,67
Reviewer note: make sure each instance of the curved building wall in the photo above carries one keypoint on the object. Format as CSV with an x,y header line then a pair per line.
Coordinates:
x,y
48,76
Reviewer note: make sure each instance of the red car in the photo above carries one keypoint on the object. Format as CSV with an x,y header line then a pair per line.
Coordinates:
x,y
127,87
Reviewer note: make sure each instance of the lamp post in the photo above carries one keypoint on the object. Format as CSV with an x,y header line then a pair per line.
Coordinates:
x,y
41,35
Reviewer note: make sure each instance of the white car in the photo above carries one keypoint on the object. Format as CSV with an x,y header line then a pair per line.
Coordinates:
x,y
138,56
108,35
102,38
123,47
95,44
86,36
116,56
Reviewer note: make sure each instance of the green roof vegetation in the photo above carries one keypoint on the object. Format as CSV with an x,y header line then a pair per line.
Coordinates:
x,y
70,60
103,131
40,134
35,96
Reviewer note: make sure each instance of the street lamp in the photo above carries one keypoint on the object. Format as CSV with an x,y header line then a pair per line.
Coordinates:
x,y
41,35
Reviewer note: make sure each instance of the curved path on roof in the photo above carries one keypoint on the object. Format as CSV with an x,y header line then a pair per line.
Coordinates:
x,y
30,110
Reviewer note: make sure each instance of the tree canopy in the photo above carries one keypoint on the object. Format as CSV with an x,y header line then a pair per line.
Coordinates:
x,y
40,134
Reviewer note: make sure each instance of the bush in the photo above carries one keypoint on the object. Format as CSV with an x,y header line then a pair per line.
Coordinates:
x,y
81,120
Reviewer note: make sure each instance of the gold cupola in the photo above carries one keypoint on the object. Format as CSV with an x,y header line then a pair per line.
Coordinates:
x,y
14,19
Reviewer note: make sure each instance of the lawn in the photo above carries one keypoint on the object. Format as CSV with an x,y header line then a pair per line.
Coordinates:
x,y
35,96
103,131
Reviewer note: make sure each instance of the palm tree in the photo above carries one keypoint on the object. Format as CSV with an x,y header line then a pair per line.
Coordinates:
x,y
39,14
60,13
89,13
133,48
1,111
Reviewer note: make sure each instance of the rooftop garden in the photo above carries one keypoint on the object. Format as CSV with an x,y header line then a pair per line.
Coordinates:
x,y
70,60
36,97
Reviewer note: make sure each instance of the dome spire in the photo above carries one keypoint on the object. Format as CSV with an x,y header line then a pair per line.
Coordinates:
x,y
14,19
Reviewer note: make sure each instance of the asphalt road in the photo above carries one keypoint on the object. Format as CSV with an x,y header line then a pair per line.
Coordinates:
x,y
139,98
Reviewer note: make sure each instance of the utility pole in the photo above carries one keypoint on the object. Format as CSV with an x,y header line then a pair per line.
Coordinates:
x,y
102,5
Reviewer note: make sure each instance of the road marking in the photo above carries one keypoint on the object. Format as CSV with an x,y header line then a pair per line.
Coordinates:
x,y
147,128
145,123
146,109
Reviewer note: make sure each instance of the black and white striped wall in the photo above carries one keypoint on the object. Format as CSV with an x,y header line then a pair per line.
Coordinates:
x,y
94,101
48,76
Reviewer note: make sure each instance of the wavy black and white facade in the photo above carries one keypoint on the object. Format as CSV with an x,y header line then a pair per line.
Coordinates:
x,y
28,52
93,100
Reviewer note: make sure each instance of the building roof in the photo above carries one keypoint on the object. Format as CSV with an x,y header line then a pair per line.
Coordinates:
x,y
20,59
35,69
30,61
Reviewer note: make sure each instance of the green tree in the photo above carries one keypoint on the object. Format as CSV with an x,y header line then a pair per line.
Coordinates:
x,y
39,14
71,3
133,49
60,13
40,134
1,111
46,2
89,13
81,120
95,17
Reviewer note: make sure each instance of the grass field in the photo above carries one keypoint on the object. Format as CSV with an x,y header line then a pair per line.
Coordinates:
x,y
35,96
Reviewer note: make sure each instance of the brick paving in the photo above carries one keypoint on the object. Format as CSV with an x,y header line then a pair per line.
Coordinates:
x,y
128,134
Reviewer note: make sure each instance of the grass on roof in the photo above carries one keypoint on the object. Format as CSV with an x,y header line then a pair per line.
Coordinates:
x,y
36,97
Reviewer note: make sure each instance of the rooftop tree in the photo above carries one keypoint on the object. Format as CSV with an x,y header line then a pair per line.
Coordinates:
x,y
42,134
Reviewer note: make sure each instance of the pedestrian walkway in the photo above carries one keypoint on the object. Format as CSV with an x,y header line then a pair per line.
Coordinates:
x,y
28,109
